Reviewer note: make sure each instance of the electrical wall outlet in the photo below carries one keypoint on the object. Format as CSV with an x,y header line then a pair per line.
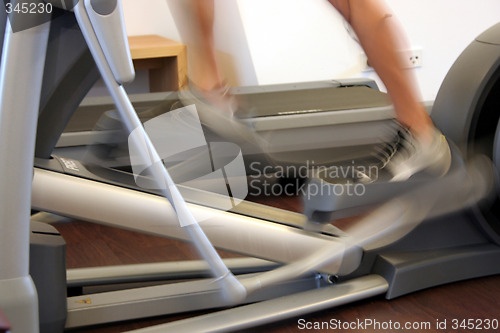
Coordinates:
x,y
413,58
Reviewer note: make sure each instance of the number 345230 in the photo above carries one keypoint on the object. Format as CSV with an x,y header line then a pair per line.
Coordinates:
x,y
28,8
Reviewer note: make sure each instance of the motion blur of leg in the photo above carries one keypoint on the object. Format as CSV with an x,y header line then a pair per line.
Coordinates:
x,y
215,105
205,72
422,146
195,20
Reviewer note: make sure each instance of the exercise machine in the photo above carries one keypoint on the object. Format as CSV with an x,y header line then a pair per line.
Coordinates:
x,y
75,194
14,41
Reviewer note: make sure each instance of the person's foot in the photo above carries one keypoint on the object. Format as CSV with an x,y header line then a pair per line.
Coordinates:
x,y
414,154
219,96
216,111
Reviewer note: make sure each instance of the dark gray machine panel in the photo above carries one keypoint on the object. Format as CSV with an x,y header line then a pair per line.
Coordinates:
x,y
467,109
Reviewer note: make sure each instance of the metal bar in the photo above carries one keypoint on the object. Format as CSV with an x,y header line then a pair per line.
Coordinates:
x,y
133,210
102,28
21,71
79,277
165,299
285,307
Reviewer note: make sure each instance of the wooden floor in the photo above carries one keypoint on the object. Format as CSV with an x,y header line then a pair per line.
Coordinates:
x,y
476,300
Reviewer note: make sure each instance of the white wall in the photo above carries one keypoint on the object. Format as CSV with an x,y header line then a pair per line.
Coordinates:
x,y
443,28
275,41
147,17
297,40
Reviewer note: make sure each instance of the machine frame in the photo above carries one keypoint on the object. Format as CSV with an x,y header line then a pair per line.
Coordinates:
x,y
390,270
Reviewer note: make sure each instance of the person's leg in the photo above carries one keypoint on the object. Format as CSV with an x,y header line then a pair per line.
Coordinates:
x,y
208,91
205,72
195,22
383,42
423,147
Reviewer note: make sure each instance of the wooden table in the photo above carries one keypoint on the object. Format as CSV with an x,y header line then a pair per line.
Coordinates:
x,y
165,59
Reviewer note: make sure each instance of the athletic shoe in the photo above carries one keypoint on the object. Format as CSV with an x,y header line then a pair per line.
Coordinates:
x,y
216,111
413,155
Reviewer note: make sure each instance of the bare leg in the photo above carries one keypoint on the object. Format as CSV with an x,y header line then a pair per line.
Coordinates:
x,y
214,103
382,39
379,34
197,31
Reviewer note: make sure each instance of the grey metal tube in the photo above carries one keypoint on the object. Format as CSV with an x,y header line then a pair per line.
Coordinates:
x,y
234,320
21,71
233,290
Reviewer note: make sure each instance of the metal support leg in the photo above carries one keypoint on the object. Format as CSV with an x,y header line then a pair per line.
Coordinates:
x,y
21,73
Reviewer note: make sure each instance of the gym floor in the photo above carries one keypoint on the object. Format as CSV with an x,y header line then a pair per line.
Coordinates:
x,y
448,308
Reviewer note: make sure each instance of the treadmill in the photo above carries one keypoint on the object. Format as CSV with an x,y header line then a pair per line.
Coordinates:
x,y
319,123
